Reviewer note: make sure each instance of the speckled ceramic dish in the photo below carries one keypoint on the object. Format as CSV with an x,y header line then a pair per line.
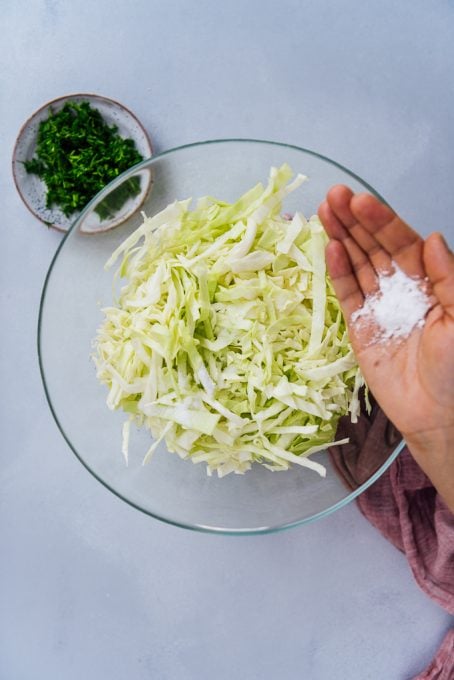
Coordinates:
x,y
33,190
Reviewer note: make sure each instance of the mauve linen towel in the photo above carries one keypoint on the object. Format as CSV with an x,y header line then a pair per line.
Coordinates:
x,y
404,506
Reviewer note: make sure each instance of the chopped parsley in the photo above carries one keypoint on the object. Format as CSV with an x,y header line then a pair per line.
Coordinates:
x,y
77,154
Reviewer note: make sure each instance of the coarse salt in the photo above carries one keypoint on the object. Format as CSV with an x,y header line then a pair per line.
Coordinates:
x,y
399,306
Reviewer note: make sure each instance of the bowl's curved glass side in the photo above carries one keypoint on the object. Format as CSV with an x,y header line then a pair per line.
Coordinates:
x,y
76,289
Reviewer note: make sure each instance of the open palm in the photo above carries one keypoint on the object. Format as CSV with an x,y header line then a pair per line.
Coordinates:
x,y
412,378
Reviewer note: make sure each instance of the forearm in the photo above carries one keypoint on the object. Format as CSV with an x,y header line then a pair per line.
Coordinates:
x,y
433,450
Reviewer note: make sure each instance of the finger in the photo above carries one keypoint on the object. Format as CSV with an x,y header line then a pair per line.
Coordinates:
x,y
345,283
364,271
403,244
333,226
339,199
439,264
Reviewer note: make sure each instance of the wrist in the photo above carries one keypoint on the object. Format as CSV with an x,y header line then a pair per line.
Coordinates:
x,y
434,443
433,450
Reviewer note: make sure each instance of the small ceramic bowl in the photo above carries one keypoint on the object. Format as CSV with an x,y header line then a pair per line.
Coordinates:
x,y
32,189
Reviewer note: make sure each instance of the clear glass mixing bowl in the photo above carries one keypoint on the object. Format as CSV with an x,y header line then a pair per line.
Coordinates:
x,y
77,286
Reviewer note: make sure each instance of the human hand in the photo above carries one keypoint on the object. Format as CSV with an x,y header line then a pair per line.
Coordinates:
x,y
412,378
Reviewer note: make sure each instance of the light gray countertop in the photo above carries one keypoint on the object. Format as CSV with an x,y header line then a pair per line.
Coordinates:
x,y
91,588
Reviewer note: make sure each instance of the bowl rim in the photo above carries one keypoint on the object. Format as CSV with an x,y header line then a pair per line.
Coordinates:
x,y
91,97
247,531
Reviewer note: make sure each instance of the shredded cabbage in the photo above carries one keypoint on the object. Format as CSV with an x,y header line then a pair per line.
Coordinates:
x,y
227,340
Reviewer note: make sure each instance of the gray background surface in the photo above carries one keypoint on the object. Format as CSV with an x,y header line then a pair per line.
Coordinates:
x,y
89,587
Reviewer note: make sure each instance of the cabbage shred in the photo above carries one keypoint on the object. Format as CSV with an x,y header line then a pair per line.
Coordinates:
x,y
227,340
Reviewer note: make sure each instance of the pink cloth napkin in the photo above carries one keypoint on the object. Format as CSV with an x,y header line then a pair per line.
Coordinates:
x,y
404,506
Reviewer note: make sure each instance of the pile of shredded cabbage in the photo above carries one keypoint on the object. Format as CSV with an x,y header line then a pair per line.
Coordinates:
x,y
227,340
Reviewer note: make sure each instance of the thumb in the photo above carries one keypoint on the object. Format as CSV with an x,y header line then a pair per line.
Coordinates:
x,y
439,265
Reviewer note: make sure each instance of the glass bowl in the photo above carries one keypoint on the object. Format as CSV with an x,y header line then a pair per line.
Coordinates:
x,y
77,287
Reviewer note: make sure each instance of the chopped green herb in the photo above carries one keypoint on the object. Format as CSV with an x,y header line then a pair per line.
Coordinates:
x,y
77,154
118,197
